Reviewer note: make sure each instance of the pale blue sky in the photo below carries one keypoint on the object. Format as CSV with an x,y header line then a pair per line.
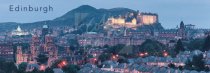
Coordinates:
x,y
171,12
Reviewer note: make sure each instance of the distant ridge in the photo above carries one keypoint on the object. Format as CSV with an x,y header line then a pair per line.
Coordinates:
x,y
68,19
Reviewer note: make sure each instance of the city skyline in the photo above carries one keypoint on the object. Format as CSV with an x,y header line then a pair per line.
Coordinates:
x,y
98,36
170,12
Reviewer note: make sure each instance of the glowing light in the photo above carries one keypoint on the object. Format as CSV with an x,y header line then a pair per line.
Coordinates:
x,y
149,19
64,63
19,32
94,54
146,53
95,59
114,57
134,21
141,54
19,29
117,55
165,54
42,67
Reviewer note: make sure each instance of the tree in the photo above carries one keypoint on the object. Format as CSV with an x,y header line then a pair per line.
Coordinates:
x,y
71,69
153,47
188,64
42,59
171,65
49,70
122,60
35,70
72,48
22,67
103,57
115,49
180,67
179,47
73,42
206,45
106,46
197,63
195,44
7,67
10,67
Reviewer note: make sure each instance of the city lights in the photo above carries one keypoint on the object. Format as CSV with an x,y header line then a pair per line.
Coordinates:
x,y
42,67
143,54
62,64
165,54
91,39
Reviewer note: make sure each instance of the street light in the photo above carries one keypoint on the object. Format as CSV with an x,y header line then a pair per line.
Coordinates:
x,y
42,67
165,54
117,55
95,59
141,54
62,64
114,57
146,53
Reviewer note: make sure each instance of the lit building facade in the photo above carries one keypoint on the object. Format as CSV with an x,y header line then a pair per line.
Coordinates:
x,y
23,56
43,44
132,21
19,32
147,18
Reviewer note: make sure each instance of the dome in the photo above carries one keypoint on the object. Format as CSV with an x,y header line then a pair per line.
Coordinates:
x,y
45,26
18,28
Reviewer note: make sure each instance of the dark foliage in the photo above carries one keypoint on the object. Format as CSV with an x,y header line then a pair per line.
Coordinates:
x,y
179,46
71,69
7,67
104,57
115,49
154,48
42,59
171,65
122,60
195,44
197,63
206,45
22,67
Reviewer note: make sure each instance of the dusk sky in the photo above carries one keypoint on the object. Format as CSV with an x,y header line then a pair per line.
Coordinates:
x,y
171,12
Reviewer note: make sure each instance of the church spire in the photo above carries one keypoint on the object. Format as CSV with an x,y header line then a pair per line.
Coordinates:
x,y
182,25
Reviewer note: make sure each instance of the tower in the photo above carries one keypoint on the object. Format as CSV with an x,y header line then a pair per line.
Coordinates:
x,y
182,25
181,31
45,30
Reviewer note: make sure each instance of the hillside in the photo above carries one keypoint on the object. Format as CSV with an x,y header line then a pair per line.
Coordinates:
x,y
68,19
